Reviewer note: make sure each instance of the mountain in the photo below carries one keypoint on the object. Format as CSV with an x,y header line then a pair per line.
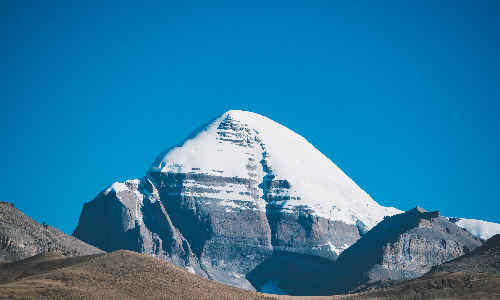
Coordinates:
x,y
238,189
401,246
117,275
129,275
22,237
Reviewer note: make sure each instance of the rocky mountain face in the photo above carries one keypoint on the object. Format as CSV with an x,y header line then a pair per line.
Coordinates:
x,y
402,246
240,192
22,237
485,259
474,275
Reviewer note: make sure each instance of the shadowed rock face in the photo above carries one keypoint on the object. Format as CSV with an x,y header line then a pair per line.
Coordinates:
x,y
22,237
228,242
294,273
402,246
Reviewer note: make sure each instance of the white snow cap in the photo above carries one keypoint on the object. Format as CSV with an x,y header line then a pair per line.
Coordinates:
x,y
117,187
225,146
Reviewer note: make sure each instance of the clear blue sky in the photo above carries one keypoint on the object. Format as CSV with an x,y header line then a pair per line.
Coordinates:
x,y
404,96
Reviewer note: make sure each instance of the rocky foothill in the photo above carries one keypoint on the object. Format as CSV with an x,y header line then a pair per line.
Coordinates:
x,y
22,237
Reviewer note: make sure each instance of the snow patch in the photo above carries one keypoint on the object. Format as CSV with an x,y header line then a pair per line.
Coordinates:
x,y
482,229
117,187
191,270
237,275
335,249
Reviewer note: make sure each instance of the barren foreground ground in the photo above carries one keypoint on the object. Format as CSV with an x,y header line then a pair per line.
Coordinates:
x,y
130,275
117,275
441,285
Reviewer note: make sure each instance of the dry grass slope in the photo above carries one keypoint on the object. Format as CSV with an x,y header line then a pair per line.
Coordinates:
x,y
118,275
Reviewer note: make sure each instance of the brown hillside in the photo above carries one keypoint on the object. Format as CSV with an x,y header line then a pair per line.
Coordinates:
x,y
118,275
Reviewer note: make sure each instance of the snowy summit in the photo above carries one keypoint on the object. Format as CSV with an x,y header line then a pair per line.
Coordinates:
x,y
247,145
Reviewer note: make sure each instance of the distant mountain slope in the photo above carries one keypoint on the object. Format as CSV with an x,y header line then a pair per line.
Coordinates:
x,y
118,275
402,246
22,237
221,202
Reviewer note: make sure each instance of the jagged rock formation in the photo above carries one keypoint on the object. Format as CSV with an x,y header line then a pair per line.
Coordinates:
x,y
402,246
220,203
485,259
22,237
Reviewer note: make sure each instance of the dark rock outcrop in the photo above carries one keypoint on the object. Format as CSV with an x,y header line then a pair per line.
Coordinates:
x,y
187,231
402,246
22,237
